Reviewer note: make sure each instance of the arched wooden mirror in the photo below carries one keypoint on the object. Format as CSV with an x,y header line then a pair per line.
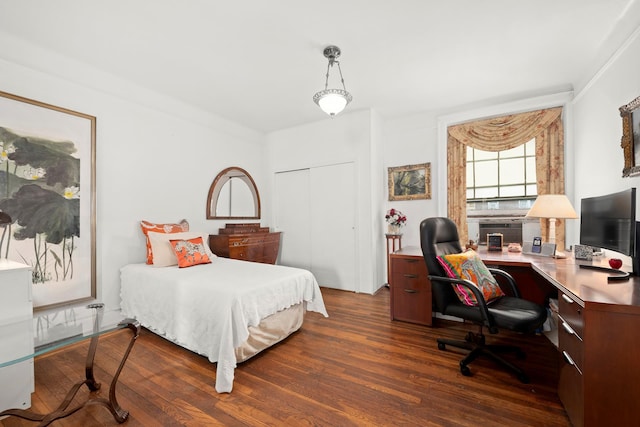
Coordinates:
x,y
233,195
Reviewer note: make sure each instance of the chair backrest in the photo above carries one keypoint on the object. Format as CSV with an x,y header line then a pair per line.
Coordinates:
x,y
439,236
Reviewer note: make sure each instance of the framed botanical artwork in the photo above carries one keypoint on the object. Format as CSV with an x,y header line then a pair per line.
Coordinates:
x,y
410,182
47,189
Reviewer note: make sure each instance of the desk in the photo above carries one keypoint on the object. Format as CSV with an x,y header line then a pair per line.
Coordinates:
x,y
58,328
599,336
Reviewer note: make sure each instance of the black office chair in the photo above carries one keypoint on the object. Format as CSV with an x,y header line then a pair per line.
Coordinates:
x,y
438,237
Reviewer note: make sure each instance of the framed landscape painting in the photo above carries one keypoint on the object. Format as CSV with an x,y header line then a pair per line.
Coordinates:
x,y
410,182
47,192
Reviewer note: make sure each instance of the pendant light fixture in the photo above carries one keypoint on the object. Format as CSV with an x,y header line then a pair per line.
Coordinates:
x,y
332,101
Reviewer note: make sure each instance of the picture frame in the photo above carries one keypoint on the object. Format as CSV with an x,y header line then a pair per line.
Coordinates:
x,y
583,252
47,187
410,182
630,141
536,246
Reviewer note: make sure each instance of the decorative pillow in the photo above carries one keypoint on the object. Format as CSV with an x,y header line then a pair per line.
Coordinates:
x,y
469,266
190,252
147,226
163,253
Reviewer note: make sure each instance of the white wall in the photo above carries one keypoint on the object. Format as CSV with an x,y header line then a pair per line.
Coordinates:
x,y
155,158
597,125
409,141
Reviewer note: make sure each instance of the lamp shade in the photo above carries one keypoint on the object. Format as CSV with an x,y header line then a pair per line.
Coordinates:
x,y
552,206
332,101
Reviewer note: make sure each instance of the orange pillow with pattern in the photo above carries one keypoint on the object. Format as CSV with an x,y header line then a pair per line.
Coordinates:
x,y
190,252
469,266
147,226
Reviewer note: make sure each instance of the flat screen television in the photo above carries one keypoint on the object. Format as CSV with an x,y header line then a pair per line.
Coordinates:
x,y
609,222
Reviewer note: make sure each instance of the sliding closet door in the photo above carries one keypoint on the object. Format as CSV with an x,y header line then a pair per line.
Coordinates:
x,y
333,259
292,217
315,210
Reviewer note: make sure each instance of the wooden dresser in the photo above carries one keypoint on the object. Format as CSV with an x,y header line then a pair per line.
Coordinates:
x,y
248,242
410,287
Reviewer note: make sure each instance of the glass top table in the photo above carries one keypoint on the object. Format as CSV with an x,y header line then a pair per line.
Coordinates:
x,y
55,329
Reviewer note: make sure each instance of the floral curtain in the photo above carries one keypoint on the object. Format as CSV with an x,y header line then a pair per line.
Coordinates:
x,y
503,133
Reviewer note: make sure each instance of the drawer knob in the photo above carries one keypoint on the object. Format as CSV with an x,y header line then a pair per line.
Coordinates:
x,y
568,358
411,291
411,276
568,328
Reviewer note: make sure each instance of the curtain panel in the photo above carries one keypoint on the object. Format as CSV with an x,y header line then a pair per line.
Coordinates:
x,y
503,133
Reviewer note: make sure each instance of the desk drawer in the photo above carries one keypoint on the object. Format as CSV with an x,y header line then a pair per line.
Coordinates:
x,y
415,266
571,390
572,313
570,344
411,298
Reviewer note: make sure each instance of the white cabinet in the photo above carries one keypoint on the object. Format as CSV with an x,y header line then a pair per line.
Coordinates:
x,y
16,335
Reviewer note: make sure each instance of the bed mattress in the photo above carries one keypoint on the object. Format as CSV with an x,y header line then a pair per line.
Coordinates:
x,y
211,308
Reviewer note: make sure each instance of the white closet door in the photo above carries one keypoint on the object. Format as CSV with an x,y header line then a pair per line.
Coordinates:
x,y
292,217
333,202
315,210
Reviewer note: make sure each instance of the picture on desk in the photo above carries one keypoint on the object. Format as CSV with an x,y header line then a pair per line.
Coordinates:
x,y
536,246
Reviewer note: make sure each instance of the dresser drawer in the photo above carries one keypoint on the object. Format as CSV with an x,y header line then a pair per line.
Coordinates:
x,y
245,240
255,246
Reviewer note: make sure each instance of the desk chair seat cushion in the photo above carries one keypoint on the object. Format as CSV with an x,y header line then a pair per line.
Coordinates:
x,y
516,314
468,265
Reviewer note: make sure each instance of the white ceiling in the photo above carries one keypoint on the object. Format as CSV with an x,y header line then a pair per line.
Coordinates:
x,y
259,62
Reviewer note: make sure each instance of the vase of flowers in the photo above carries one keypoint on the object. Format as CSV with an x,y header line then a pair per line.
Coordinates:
x,y
395,221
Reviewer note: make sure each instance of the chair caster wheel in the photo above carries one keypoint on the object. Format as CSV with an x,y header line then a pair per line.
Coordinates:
x,y
464,370
440,346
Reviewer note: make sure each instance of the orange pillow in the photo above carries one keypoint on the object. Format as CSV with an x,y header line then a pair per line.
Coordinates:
x,y
147,226
469,266
190,252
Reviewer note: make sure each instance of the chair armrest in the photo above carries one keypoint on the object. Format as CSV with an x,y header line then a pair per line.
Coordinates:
x,y
509,278
482,303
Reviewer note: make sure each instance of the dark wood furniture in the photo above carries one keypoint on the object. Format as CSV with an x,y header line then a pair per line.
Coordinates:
x,y
599,325
248,242
410,287
394,243
598,330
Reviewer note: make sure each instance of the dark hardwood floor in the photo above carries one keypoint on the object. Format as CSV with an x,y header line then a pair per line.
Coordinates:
x,y
355,368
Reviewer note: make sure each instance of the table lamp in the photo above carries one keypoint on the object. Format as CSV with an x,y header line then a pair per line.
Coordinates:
x,y
552,207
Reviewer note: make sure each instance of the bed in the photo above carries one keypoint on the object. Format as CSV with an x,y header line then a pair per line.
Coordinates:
x,y
227,310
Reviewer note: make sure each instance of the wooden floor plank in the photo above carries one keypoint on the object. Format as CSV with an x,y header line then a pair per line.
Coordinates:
x,y
355,368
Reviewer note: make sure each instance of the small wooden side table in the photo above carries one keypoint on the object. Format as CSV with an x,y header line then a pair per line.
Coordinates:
x,y
394,243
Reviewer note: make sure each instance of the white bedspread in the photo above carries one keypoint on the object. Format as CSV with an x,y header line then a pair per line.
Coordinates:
x,y
209,308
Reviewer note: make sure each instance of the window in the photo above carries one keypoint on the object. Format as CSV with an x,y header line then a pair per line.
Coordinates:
x,y
502,179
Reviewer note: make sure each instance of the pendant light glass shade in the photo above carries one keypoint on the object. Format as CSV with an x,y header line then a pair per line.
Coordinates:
x,y
332,101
